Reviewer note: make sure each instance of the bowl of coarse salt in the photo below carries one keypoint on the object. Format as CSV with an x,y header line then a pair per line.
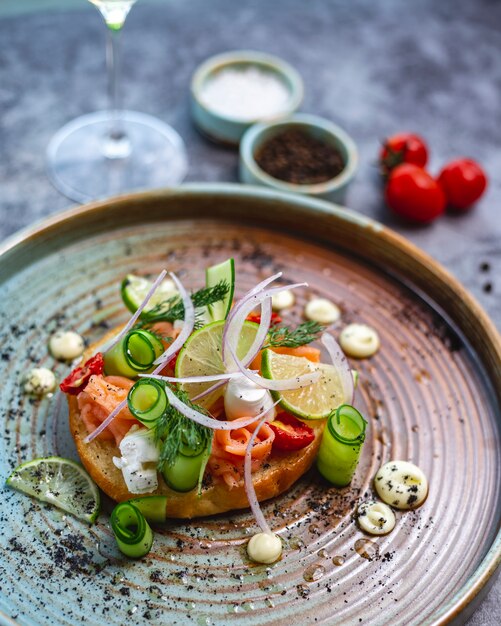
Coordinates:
x,y
233,90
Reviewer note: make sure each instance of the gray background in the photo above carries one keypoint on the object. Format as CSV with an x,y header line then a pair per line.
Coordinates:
x,y
373,66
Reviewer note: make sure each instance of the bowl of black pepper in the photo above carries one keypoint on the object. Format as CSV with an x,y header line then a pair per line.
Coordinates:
x,y
303,154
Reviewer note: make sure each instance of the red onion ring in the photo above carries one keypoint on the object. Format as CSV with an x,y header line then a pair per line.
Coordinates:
x,y
340,362
253,351
249,485
189,323
106,422
262,332
260,338
233,328
243,300
259,287
194,379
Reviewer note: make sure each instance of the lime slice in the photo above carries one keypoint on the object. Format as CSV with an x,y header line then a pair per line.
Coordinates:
x,y
313,402
201,355
60,482
134,290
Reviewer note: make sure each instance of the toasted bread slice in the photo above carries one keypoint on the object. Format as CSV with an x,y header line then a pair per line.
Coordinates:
x,y
275,477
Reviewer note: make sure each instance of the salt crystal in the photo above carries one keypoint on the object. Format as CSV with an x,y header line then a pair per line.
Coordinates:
x,y
245,94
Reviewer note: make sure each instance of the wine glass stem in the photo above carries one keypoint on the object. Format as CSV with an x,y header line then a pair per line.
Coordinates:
x,y
116,143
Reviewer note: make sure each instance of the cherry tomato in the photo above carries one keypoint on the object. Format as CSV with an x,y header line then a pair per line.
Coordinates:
x,y
77,380
413,194
402,148
256,318
463,182
290,433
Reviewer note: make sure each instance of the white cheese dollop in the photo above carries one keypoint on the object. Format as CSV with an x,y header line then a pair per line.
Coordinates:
x,y
243,398
283,300
39,381
322,311
375,518
137,448
264,548
359,341
66,345
401,484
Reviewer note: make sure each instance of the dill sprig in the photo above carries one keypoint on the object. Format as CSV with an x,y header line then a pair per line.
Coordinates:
x,y
174,429
172,309
285,337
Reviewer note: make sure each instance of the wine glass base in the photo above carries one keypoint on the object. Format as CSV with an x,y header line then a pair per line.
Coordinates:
x,y
85,165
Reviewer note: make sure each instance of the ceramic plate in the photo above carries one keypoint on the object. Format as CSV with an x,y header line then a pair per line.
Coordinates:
x,y
430,396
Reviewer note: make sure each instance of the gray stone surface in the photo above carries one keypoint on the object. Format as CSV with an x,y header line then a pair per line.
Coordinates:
x,y
373,67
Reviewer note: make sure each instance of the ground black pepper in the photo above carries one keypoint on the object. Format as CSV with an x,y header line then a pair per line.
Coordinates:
x,y
296,157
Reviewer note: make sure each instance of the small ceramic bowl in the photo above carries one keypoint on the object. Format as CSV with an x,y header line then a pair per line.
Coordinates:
x,y
229,130
333,189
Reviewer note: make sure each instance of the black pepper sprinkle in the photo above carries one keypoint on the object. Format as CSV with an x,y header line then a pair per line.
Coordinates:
x,y
296,157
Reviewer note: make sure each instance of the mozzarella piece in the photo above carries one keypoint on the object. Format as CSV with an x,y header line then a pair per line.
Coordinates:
x,y
375,518
283,300
359,341
243,398
137,448
264,548
66,345
401,484
322,311
39,381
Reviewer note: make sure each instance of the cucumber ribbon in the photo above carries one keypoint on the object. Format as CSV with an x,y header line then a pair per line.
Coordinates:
x,y
132,532
147,400
135,353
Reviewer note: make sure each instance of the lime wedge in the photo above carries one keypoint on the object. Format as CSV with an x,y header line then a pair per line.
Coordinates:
x,y
60,482
201,355
135,288
313,402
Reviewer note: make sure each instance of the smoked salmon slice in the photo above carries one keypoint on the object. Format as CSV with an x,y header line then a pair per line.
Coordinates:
x,y
228,452
101,395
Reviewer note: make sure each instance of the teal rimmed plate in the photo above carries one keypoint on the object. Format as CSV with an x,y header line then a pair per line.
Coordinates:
x,y
431,396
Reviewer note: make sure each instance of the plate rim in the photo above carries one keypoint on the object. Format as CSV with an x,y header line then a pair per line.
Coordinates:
x,y
485,573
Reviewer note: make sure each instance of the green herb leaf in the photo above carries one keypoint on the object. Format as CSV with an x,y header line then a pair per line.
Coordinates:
x,y
174,429
285,337
173,309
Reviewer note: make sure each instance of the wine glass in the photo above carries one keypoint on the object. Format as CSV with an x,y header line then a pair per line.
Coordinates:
x,y
115,151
